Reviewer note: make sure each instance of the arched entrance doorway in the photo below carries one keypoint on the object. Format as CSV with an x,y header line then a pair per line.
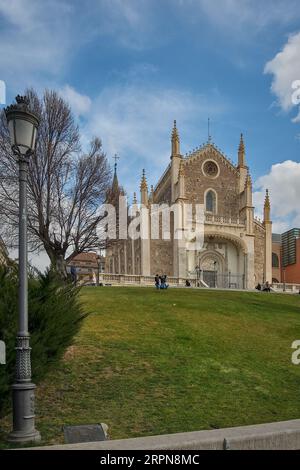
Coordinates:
x,y
222,262
212,265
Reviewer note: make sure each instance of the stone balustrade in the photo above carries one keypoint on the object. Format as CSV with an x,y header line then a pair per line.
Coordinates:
x,y
286,287
129,279
223,220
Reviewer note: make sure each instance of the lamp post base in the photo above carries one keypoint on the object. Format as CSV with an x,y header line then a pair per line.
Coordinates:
x,y
23,413
20,436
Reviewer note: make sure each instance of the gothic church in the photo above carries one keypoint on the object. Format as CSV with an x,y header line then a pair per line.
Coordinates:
x,y
237,249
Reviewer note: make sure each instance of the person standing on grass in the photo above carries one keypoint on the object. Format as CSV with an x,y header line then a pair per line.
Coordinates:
x,y
74,274
157,281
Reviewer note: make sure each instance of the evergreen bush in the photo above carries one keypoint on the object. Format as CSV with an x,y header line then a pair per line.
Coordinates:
x,y
55,314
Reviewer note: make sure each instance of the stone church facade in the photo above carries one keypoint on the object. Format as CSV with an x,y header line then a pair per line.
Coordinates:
x,y
237,248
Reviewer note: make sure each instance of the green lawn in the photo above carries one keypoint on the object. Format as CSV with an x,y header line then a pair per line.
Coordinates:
x,y
154,362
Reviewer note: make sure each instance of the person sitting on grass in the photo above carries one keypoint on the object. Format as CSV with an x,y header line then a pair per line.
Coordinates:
x,y
187,283
157,281
164,284
267,287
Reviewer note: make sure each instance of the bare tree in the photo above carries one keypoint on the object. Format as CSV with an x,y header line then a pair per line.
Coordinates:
x,y
65,187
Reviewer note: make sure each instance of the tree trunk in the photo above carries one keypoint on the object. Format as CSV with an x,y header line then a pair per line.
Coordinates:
x,y
58,263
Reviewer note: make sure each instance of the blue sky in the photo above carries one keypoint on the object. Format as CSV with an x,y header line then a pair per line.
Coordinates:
x,y
129,67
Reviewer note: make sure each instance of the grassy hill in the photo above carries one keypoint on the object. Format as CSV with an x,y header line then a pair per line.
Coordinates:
x,y
153,362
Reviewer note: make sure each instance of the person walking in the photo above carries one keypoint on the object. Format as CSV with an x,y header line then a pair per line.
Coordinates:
x,y
74,274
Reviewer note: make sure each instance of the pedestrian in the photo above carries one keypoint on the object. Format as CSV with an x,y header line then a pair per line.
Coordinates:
x,y
164,281
74,274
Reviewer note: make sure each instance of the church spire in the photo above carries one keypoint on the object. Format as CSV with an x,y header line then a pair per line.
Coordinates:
x,y
248,183
242,157
115,183
208,131
175,141
248,190
144,189
267,208
151,198
144,181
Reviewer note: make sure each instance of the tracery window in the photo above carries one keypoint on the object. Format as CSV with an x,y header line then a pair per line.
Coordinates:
x,y
210,201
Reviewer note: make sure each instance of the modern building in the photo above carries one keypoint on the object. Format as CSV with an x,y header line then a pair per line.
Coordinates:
x,y
237,249
276,258
286,257
88,266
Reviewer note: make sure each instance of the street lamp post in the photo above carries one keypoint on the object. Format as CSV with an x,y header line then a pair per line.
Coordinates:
x,y
23,126
98,273
215,273
197,269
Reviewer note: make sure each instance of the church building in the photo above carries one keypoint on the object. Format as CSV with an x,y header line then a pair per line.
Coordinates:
x,y
237,248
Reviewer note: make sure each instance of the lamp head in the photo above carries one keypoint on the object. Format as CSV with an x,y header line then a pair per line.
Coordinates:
x,y
23,126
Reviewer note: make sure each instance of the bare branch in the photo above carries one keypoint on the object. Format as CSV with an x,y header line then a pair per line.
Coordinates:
x,y
65,187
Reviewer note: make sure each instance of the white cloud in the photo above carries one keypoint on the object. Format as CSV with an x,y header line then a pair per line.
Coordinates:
x,y
135,121
34,40
283,184
38,39
139,23
132,24
285,68
245,17
79,103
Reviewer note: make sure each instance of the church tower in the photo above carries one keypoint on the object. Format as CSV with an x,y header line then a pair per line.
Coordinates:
x,y
175,160
268,239
118,219
249,209
175,141
144,189
242,167
145,227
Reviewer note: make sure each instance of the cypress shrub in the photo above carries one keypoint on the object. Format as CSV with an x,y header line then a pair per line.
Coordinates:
x,y
55,314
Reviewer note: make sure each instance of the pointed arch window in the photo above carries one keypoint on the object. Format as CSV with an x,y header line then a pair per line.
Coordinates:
x,y
210,201
275,260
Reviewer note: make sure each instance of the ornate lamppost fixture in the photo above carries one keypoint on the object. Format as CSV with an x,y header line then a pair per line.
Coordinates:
x,y
198,275
98,269
23,126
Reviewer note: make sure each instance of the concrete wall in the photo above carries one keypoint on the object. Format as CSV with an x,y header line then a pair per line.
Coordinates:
x,y
284,435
